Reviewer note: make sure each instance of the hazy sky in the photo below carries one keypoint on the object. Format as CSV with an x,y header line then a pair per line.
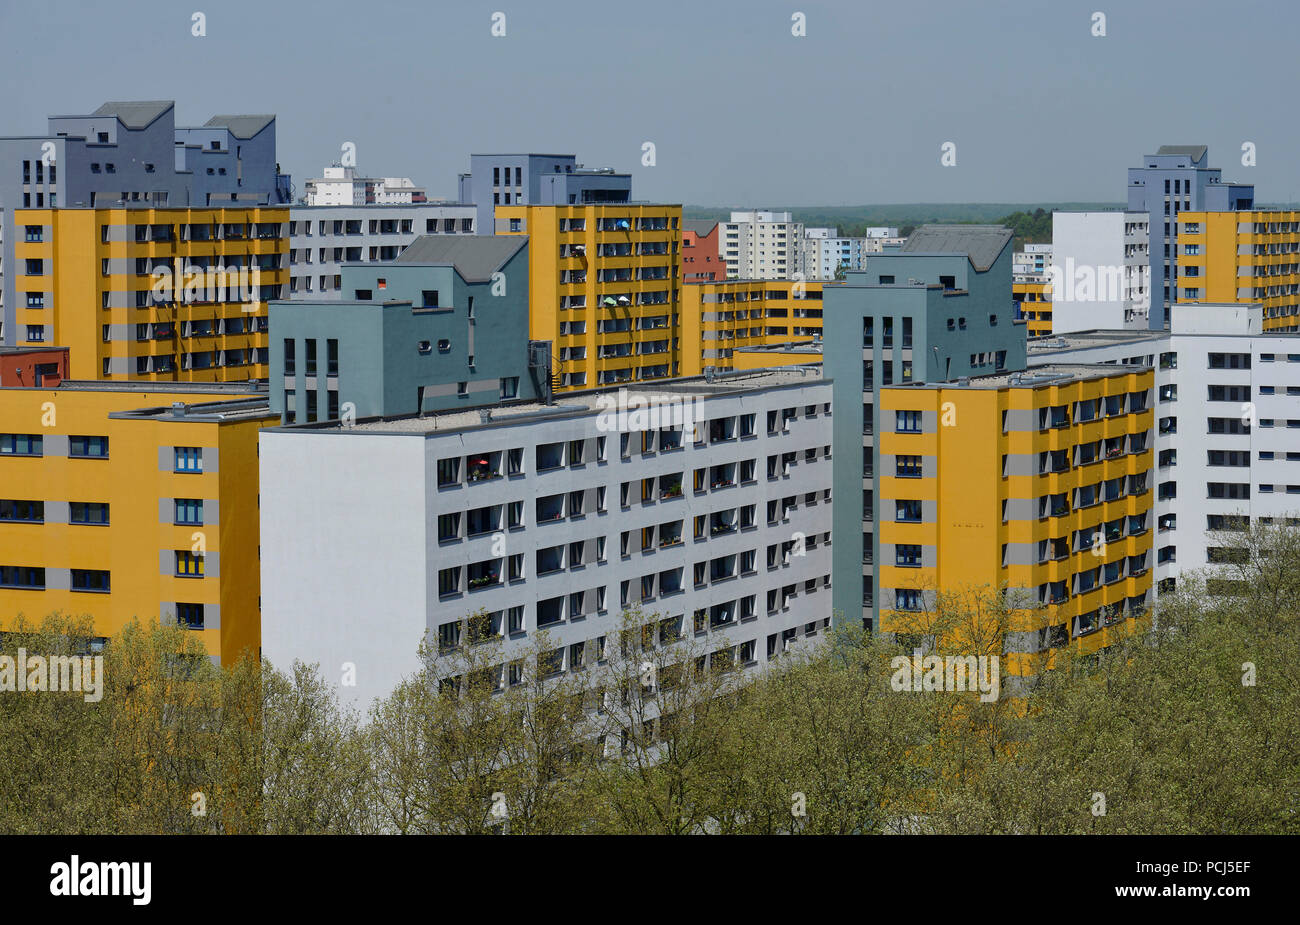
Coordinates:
x,y
741,112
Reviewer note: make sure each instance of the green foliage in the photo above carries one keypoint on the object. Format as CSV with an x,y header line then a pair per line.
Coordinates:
x,y
1192,726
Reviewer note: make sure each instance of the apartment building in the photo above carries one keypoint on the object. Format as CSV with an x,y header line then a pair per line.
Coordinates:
x,y
936,309
1031,287
603,288
152,295
126,501
701,260
1227,436
1061,523
324,237
1099,273
1174,180
340,186
706,503
762,245
1242,257
445,325
536,179
721,318
125,236
824,253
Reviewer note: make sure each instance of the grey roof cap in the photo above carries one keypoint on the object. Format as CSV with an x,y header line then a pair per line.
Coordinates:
x,y
240,126
135,114
1195,152
980,243
699,225
475,257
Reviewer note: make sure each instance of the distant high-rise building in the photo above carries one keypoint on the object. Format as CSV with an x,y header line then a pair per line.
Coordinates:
x,y
1098,274
324,238
340,186
1031,287
603,288
824,253
537,179
762,245
1174,180
1242,257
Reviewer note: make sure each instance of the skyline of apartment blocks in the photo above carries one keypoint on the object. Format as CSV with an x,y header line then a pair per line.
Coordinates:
x,y
443,325
1227,437
340,186
536,179
1098,274
324,238
123,157
1174,180
1031,287
722,317
1062,529
936,309
122,501
761,245
1242,257
713,512
603,288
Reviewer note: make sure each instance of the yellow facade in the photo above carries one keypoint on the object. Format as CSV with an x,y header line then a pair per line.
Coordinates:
x,y
94,292
722,317
136,476
1075,569
1242,257
603,288
1035,301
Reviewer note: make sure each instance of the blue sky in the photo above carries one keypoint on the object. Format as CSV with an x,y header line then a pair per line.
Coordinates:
x,y
741,112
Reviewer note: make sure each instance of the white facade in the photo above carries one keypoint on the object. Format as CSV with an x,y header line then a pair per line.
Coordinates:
x,y
322,238
1227,420
824,251
761,245
551,518
340,186
1099,271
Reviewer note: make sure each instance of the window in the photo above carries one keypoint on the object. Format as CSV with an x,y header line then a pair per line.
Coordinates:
x,y
908,556
908,467
188,564
448,581
188,459
908,511
90,580
908,422
189,511
88,512
20,445
22,576
32,512
88,447
190,616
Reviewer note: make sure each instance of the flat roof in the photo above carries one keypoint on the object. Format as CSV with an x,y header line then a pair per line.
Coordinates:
x,y
32,348
1033,377
1082,340
246,387
573,404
